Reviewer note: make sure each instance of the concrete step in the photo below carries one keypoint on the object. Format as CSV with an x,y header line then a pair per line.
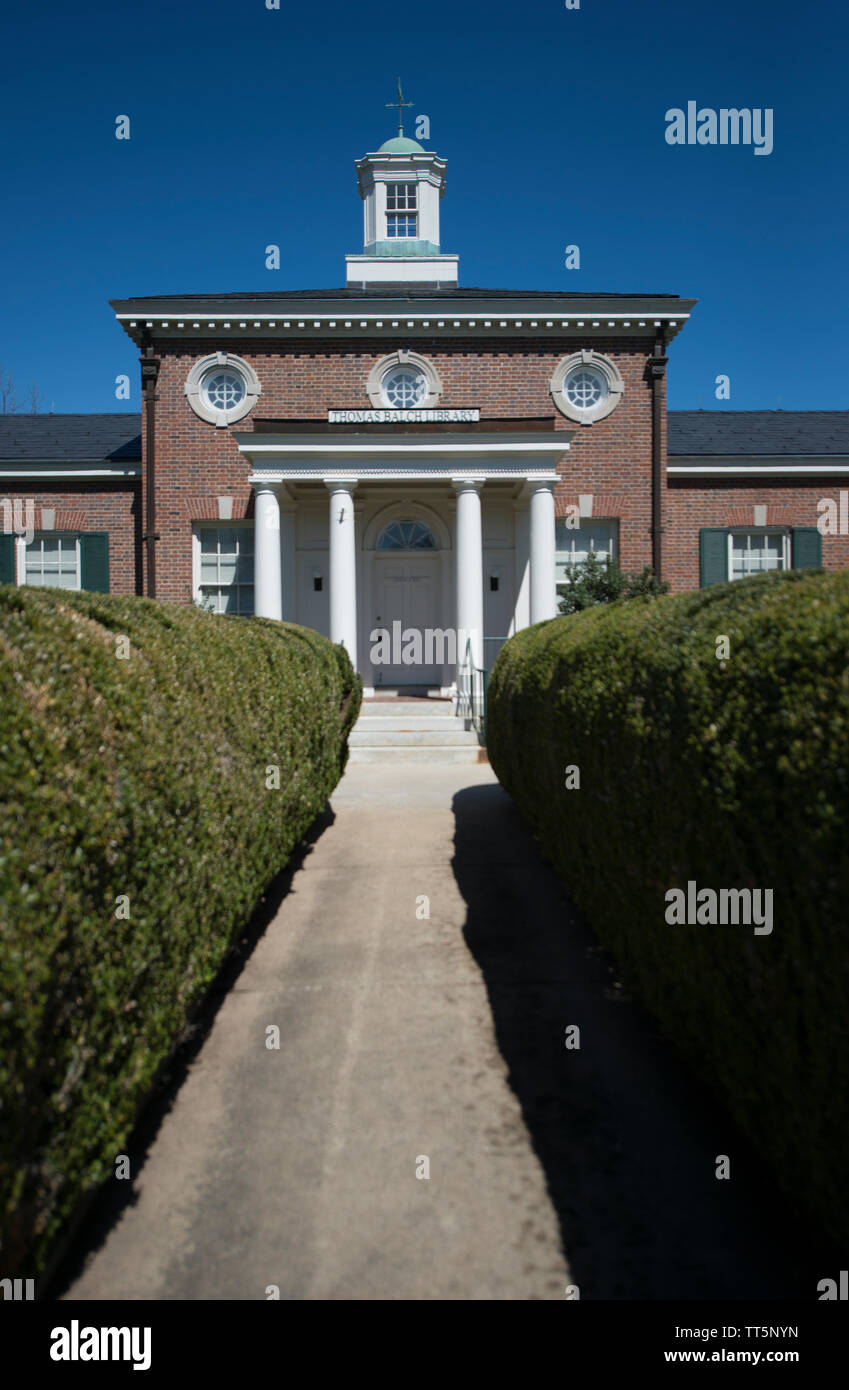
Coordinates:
x,y
415,722
419,731
411,738
417,754
407,709
407,692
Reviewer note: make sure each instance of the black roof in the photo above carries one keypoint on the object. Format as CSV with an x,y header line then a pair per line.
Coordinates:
x,y
71,438
748,432
398,290
116,437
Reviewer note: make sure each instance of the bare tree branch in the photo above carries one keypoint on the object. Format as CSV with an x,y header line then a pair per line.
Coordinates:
x,y
8,392
10,404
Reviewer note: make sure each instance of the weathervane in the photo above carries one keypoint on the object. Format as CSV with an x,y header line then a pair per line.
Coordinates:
x,y
400,103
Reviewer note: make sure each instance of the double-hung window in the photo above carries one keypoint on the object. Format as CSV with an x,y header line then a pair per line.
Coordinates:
x,y
224,568
50,560
738,552
575,543
401,210
752,552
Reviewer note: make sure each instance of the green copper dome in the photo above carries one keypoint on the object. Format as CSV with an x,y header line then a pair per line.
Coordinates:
x,y
400,144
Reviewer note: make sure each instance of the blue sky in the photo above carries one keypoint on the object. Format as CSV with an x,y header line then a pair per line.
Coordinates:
x,y
246,122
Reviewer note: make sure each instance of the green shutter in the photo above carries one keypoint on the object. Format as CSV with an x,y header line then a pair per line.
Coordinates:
x,y
94,562
7,559
713,555
807,548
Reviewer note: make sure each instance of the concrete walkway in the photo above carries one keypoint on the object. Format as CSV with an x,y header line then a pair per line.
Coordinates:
x,y
402,1036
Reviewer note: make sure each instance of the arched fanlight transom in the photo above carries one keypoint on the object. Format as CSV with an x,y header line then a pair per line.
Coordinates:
x,y
406,535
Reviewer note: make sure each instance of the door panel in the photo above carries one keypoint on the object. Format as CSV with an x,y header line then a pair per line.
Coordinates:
x,y
406,593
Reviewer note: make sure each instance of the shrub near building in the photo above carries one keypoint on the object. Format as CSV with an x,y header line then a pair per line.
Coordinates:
x,y
722,764
158,767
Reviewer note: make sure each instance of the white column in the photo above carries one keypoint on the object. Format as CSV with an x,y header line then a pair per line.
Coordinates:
x,y
343,565
542,547
469,568
267,586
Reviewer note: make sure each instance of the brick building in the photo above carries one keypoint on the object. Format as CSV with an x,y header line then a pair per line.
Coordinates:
x,y
405,455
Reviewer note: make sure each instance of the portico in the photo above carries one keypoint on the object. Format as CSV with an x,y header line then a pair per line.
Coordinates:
x,y
425,532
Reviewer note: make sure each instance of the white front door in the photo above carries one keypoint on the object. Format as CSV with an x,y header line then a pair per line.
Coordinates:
x,y
406,600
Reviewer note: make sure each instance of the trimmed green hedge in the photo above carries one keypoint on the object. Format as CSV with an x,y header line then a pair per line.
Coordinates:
x,y
730,774
145,777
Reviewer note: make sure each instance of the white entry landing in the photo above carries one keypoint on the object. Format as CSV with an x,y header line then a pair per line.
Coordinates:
x,y
412,725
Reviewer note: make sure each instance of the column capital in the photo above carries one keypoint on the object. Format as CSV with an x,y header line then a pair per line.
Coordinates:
x,y
465,484
540,484
341,484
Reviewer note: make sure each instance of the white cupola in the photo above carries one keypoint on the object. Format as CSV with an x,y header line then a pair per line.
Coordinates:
x,y
401,185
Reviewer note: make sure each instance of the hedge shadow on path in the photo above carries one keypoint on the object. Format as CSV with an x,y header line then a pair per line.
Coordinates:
x,y
101,1213
626,1135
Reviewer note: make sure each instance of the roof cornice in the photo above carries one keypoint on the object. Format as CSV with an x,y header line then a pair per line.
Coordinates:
x,y
550,444
764,465
489,316
72,468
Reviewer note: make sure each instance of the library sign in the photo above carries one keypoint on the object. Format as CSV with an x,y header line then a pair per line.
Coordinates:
x,y
403,417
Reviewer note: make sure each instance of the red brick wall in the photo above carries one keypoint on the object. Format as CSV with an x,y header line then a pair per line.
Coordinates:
x,y
611,460
93,507
197,462
695,502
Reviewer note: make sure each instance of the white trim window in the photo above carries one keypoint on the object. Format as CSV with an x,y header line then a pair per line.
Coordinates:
x,y
574,543
586,386
403,381
404,388
224,567
757,551
51,560
401,210
222,388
